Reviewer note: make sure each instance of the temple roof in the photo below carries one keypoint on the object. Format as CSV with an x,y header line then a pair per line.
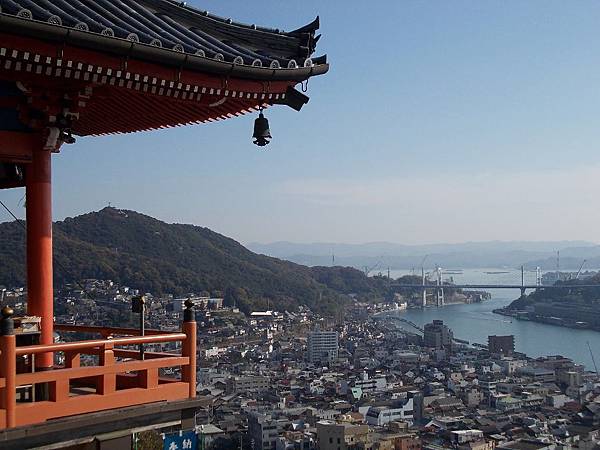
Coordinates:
x,y
158,29
95,67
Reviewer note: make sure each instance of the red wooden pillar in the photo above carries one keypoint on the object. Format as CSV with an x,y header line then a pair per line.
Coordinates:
x,y
8,368
40,290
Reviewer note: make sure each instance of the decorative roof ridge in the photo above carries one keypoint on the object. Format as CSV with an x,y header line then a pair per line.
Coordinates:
x,y
175,26
203,14
97,41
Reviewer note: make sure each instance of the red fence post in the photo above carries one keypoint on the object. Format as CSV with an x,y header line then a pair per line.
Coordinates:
x,y
8,366
188,373
107,383
72,359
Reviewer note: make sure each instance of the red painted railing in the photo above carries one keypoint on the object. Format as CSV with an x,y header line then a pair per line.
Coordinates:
x,y
119,379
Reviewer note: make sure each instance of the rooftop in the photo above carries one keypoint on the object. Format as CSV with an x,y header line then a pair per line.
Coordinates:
x,y
174,26
183,65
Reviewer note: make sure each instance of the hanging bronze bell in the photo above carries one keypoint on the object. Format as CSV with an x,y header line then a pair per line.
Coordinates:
x,y
262,134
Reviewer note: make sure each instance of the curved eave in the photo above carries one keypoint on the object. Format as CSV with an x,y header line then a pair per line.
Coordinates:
x,y
123,47
176,9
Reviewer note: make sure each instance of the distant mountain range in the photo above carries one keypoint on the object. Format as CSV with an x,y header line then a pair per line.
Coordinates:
x,y
139,251
381,255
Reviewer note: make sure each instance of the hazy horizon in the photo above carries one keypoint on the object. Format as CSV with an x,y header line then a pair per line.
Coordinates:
x,y
421,244
20,213
464,255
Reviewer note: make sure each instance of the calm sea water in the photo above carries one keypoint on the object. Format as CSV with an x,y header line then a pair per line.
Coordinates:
x,y
476,321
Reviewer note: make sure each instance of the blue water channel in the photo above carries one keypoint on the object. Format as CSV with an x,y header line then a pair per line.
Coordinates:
x,y
474,322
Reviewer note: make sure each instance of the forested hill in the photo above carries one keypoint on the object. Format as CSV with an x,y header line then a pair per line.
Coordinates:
x,y
140,251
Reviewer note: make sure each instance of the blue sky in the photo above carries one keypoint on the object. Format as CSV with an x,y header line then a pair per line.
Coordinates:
x,y
438,122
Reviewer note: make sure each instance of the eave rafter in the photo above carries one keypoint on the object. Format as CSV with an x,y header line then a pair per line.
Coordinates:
x,y
114,92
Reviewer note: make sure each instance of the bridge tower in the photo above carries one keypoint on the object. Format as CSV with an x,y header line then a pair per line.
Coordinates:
x,y
439,294
522,281
424,299
443,301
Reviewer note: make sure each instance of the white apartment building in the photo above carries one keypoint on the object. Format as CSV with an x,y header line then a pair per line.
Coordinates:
x,y
381,415
322,346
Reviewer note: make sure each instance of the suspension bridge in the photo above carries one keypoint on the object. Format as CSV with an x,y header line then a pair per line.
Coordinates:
x,y
438,285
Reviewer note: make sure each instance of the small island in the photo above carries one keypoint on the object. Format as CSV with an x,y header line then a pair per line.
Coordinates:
x,y
572,306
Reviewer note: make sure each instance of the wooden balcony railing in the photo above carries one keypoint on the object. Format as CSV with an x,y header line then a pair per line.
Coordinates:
x,y
120,378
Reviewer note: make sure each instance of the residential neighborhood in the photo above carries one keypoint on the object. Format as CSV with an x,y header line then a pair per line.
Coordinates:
x,y
292,380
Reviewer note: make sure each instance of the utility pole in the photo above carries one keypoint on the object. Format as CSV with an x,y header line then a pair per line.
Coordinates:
x,y
138,305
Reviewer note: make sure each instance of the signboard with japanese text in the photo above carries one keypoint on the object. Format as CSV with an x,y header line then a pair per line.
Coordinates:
x,y
184,440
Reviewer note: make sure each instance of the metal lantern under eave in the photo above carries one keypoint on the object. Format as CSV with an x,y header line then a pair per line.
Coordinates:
x,y
262,134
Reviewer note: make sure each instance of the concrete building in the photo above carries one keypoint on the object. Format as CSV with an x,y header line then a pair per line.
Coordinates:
x,y
263,431
487,384
557,400
537,374
510,403
464,436
322,346
370,385
502,345
510,365
248,384
394,441
437,335
382,415
569,378
407,441
296,440
341,436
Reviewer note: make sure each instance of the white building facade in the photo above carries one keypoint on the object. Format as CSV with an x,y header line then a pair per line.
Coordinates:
x,y
322,346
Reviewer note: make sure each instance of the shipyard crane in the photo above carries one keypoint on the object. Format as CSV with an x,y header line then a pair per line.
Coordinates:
x,y
593,359
423,261
580,267
368,269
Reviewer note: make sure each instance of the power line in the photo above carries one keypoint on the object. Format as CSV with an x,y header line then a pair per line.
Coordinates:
x,y
56,261
11,213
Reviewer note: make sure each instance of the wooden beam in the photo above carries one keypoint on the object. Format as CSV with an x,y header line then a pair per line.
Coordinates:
x,y
17,147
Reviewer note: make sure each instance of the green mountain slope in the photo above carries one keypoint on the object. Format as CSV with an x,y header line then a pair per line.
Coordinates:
x,y
140,251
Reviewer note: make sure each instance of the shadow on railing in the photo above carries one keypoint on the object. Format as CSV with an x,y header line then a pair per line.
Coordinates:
x,y
120,376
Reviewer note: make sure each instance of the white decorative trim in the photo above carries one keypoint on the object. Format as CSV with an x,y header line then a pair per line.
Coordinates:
x,y
18,60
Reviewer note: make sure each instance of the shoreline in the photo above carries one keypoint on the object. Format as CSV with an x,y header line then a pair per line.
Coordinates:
x,y
556,321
